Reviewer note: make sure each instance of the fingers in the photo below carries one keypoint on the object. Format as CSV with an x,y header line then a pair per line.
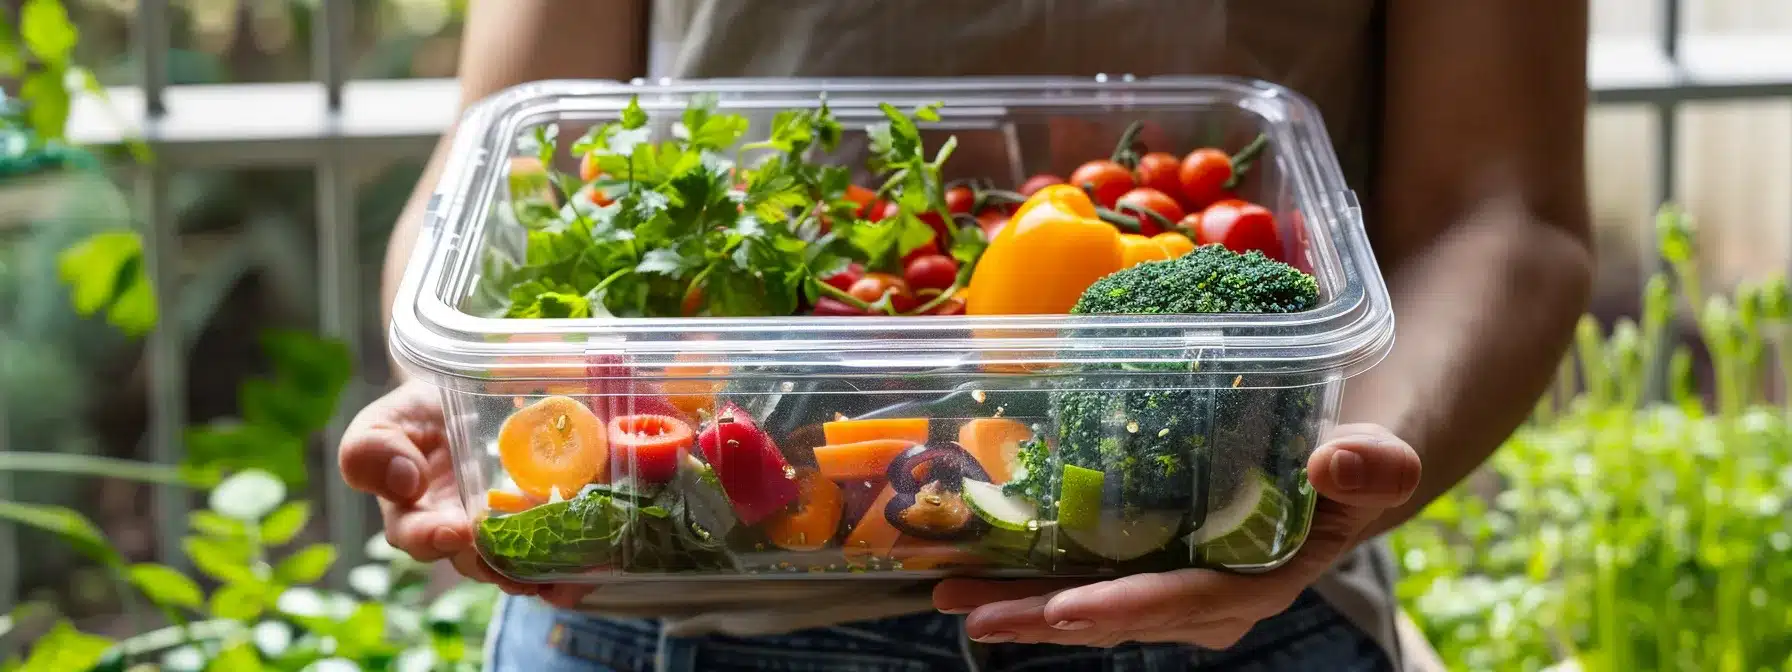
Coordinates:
x,y
1169,599
381,460
957,596
470,565
429,533
1365,466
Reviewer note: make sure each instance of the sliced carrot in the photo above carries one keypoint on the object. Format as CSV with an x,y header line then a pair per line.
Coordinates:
x,y
694,397
873,536
507,501
994,442
553,445
809,523
865,460
913,430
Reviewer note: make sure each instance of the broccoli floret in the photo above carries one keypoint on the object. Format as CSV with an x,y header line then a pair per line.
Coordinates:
x,y
1211,279
1035,476
1153,443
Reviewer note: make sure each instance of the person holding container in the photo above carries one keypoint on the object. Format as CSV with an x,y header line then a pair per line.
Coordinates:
x,y
1460,127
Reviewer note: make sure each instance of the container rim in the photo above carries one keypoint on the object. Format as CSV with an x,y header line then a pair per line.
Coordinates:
x,y
435,340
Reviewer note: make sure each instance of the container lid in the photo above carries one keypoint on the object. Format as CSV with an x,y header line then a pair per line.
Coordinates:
x,y
436,340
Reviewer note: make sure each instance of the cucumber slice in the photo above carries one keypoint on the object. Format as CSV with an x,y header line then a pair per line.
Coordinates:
x,y
1079,502
999,510
1127,538
1246,530
1108,533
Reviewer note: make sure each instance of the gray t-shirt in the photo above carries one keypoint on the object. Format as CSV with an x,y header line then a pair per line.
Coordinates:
x,y
1329,50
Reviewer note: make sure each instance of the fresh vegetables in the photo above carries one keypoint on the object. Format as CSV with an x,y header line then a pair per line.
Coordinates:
x,y
752,472
648,447
995,444
553,447
1054,247
700,225
861,460
1208,173
928,502
809,523
1240,227
911,430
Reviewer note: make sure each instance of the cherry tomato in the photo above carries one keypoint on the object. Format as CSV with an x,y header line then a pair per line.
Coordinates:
x,y
832,307
959,200
941,232
1160,171
934,271
992,222
1037,182
1241,228
844,279
952,306
1203,174
1146,198
869,206
928,248
875,286
1105,181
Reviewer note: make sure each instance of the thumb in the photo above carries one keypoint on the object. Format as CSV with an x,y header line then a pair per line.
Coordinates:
x,y
1365,466
1360,474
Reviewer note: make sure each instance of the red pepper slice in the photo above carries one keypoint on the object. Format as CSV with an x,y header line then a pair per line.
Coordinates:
x,y
754,474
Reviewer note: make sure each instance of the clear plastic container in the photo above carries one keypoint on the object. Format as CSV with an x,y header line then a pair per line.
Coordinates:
x,y
1229,405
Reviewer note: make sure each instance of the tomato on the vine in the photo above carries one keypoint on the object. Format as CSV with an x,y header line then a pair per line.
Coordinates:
x,y
992,222
1138,200
934,271
1203,174
874,286
868,201
844,279
1037,182
1105,180
959,200
1241,227
831,306
927,248
1160,171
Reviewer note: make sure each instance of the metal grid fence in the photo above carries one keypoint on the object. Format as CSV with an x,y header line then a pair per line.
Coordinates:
x,y
331,123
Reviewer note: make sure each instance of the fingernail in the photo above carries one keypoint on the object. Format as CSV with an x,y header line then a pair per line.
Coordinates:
x,y
955,612
446,540
403,478
1347,469
996,638
1072,625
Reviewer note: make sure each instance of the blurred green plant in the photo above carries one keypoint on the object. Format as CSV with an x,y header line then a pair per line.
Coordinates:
x,y
1629,535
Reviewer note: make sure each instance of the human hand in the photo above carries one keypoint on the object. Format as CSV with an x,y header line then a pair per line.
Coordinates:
x,y
397,450
1359,475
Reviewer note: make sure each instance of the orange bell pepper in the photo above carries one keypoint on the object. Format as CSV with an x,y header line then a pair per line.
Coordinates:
x,y
1053,248
1140,249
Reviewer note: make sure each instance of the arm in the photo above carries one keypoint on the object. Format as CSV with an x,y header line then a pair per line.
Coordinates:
x,y
510,42
1482,222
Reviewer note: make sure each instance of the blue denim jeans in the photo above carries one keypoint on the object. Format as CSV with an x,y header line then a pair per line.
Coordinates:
x,y
530,636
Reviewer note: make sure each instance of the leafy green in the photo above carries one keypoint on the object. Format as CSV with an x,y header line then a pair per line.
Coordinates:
x,y
692,232
1627,534
166,586
588,532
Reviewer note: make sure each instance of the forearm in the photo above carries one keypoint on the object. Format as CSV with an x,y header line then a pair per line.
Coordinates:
x,y
1484,316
